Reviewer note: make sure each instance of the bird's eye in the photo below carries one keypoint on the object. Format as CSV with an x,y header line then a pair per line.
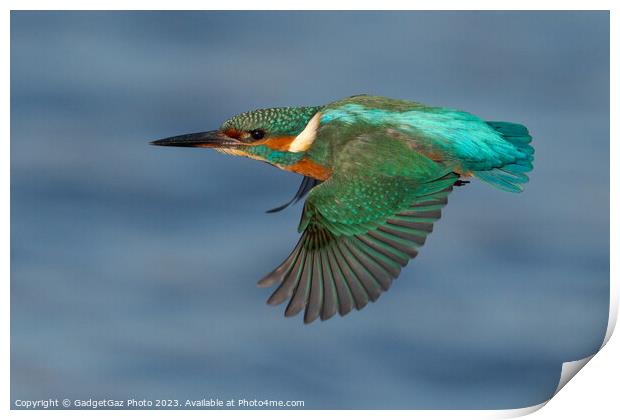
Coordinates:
x,y
257,134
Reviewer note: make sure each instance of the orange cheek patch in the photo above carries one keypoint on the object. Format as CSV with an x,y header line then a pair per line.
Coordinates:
x,y
278,143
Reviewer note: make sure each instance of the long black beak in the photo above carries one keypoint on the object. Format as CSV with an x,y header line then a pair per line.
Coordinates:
x,y
215,138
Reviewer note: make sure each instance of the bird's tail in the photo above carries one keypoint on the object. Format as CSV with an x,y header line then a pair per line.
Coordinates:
x,y
511,177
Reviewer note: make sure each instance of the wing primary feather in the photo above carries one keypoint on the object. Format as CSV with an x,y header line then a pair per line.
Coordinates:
x,y
357,290
277,275
408,222
423,215
345,295
416,233
330,296
395,242
315,301
300,295
386,262
404,234
366,278
286,288
429,207
379,277
379,246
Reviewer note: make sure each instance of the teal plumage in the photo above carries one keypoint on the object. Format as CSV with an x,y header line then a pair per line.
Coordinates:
x,y
495,152
378,172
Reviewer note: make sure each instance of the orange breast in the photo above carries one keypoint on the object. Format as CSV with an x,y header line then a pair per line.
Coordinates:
x,y
308,167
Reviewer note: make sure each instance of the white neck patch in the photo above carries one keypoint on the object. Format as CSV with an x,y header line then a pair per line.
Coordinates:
x,y
305,139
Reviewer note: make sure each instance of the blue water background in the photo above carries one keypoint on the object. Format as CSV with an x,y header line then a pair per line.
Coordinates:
x,y
133,268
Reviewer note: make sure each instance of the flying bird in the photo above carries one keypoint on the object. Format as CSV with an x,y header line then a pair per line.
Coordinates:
x,y
377,173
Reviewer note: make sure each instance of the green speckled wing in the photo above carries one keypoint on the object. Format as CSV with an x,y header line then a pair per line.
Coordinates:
x,y
359,228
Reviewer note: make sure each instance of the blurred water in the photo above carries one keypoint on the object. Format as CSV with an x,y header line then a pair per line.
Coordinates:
x,y
134,267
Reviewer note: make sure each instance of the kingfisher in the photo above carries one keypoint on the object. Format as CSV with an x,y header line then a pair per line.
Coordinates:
x,y
377,173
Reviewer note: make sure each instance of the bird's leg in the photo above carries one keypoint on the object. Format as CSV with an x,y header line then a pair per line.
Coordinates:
x,y
460,183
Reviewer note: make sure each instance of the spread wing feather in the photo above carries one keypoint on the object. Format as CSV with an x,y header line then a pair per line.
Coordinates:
x,y
329,272
361,226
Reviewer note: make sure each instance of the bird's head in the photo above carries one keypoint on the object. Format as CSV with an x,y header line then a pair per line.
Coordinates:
x,y
277,135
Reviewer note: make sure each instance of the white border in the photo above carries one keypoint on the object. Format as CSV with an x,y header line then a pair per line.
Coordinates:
x,y
597,387
310,5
